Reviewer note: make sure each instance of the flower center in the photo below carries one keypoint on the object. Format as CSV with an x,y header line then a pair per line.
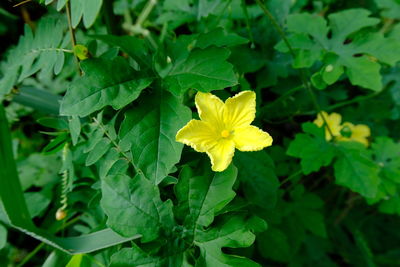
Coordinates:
x,y
225,133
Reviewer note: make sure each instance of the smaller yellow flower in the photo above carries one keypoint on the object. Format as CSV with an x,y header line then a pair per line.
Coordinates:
x,y
343,132
333,120
358,133
224,127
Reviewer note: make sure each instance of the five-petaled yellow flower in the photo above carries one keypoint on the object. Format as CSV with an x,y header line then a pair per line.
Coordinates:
x,y
343,132
224,127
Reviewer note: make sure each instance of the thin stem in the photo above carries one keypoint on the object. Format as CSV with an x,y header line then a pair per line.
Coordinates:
x,y
72,33
31,254
248,28
42,244
299,172
138,28
302,73
146,12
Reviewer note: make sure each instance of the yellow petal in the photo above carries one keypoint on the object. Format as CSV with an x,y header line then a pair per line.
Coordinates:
x,y
197,134
360,133
251,138
210,109
333,121
240,110
221,154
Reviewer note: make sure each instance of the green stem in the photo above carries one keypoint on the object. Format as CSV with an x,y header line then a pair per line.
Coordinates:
x,y
299,172
246,14
302,73
41,245
72,33
31,254
146,12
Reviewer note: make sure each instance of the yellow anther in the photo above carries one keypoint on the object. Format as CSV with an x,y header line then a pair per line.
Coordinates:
x,y
225,133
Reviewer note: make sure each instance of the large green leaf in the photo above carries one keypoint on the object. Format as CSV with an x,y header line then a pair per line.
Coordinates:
x,y
312,148
17,213
231,232
203,69
201,197
135,256
125,198
149,131
355,169
105,82
258,179
357,53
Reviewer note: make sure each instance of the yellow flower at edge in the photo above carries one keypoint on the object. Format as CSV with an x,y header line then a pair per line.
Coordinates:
x,y
224,127
333,120
343,132
359,133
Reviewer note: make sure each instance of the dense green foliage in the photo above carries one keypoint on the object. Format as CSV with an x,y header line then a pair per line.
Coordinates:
x,y
94,92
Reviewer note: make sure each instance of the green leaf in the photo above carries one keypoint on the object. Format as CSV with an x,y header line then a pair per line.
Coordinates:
x,y
135,256
149,131
124,198
136,48
75,261
257,175
220,38
274,244
18,215
358,53
35,51
74,128
203,69
3,236
37,202
88,9
390,8
106,82
355,169
231,232
205,195
98,151
308,147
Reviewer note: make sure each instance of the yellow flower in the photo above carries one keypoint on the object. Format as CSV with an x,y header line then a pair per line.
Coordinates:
x,y
333,120
224,126
358,133
343,132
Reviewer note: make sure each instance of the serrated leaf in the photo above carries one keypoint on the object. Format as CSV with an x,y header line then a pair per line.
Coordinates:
x,y
355,169
232,232
205,195
203,69
124,198
135,256
257,175
219,38
312,148
360,53
105,82
149,131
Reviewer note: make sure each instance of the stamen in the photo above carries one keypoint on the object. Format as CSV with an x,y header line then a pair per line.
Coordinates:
x,y
225,133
